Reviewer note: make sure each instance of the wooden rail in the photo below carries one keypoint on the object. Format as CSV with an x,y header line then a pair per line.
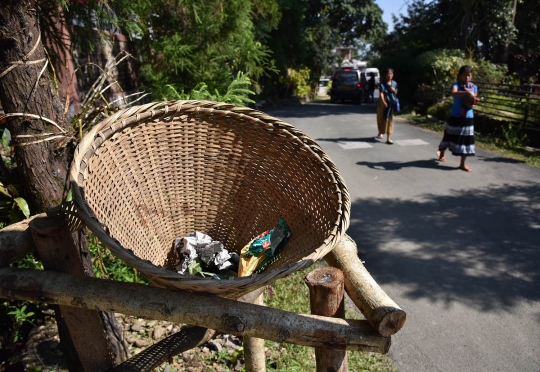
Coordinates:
x,y
200,309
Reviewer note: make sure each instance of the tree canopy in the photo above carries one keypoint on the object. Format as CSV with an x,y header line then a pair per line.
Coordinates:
x,y
489,30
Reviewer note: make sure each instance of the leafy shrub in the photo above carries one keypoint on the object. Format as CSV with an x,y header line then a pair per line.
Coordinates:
x,y
440,110
443,67
237,93
107,266
425,97
299,81
438,69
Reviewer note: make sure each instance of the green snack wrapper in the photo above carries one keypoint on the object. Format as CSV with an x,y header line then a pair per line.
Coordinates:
x,y
263,249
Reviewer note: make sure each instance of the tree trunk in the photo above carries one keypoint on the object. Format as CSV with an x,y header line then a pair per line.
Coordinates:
x,y
25,89
42,149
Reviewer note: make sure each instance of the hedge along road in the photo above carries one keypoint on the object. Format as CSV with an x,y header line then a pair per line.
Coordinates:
x,y
458,251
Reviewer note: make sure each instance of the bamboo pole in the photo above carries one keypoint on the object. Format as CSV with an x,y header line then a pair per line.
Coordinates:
x,y
16,241
184,340
379,309
254,348
204,310
326,289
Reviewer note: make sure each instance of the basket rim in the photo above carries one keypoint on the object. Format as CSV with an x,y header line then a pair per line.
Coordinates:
x,y
160,110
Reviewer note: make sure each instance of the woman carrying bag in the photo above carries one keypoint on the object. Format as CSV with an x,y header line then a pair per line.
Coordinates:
x,y
387,106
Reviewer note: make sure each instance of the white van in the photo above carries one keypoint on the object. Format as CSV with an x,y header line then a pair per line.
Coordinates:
x,y
375,71
323,86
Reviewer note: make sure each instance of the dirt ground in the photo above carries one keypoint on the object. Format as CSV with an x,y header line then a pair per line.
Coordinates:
x,y
42,351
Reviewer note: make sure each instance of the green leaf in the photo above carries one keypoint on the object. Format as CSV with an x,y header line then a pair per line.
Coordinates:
x,y
69,196
23,206
4,191
194,268
6,138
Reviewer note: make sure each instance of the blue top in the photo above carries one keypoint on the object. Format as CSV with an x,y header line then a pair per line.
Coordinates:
x,y
385,88
458,103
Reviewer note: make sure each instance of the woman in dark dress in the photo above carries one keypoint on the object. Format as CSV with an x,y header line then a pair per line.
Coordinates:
x,y
459,132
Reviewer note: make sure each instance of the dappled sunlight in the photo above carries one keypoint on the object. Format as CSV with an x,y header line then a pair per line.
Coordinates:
x,y
479,248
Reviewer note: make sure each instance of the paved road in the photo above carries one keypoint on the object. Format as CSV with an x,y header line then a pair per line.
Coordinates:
x,y
459,252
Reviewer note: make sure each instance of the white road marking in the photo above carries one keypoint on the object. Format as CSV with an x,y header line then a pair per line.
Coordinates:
x,y
354,145
411,142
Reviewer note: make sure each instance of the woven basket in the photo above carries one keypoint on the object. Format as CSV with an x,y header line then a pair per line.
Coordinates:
x,y
151,173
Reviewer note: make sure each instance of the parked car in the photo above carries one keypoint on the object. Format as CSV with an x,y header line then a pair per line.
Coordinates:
x,y
347,85
375,72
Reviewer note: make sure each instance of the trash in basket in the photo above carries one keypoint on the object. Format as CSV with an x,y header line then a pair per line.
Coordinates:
x,y
199,249
261,250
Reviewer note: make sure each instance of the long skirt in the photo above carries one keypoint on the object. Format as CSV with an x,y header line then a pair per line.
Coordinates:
x,y
385,118
459,136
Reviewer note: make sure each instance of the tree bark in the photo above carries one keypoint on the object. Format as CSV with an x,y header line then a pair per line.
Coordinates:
x,y
42,149
59,252
26,89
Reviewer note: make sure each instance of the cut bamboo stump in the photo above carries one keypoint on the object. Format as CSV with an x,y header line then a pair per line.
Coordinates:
x,y
379,309
326,289
200,309
254,355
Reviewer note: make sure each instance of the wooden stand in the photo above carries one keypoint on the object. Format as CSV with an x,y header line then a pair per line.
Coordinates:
x,y
60,252
326,289
379,309
254,348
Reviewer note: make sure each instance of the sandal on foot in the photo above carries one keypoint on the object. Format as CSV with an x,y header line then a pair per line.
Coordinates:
x,y
441,156
389,142
465,168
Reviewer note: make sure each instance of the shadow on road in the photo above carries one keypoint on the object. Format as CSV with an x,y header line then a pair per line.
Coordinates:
x,y
479,248
396,165
345,139
318,109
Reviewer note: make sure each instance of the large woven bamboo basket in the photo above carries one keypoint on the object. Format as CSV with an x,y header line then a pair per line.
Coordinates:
x,y
154,172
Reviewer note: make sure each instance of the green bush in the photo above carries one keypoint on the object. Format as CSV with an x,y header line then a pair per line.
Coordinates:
x,y
425,97
300,80
436,70
441,110
238,92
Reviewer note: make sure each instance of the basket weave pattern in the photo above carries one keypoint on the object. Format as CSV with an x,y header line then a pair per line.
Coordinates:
x,y
154,172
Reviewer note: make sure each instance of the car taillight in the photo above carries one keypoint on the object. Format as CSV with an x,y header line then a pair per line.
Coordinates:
x,y
347,70
358,85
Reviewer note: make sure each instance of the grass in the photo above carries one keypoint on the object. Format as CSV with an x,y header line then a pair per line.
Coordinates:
x,y
292,294
484,142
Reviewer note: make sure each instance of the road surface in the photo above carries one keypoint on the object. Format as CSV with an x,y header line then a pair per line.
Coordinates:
x,y
459,252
